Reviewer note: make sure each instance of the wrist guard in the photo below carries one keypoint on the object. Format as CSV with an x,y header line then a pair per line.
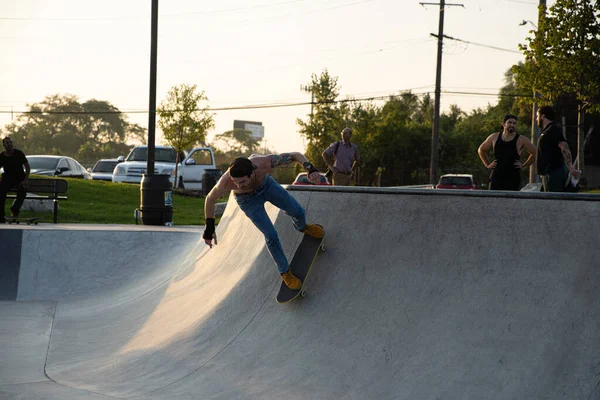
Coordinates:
x,y
309,167
210,229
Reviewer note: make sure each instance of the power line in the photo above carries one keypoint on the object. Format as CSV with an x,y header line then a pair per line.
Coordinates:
x,y
241,10
296,15
479,44
271,105
522,2
224,11
486,94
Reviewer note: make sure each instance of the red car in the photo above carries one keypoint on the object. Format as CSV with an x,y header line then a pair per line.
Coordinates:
x,y
456,181
302,179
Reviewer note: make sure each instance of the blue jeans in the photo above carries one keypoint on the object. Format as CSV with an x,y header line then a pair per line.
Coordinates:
x,y
253,205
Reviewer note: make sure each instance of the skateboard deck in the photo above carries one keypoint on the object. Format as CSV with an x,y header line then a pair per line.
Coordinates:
x,y
28,221
301,264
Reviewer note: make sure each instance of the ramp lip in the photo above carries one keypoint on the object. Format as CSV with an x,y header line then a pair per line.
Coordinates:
x,y
447,192
108,228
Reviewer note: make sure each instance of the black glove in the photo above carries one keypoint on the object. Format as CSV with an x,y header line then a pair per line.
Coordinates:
x,y
210,229
309,167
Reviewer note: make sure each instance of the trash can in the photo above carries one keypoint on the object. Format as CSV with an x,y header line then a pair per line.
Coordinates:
x,y
210,177
156,200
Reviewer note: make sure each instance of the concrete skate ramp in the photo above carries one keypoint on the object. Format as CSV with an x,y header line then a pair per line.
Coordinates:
x,y
86,265
420,295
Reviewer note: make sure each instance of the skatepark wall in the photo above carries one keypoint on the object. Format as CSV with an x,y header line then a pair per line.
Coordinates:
x,y
10,251
421,294
43,264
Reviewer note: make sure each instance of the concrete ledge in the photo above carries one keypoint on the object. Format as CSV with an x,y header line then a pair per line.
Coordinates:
x,y
532,187
448,192
41,205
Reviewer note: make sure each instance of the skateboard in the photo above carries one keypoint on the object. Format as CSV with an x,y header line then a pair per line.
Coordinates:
x,y
301,264
28,221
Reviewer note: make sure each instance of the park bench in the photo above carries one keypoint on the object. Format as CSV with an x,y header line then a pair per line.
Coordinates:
x,y
44,190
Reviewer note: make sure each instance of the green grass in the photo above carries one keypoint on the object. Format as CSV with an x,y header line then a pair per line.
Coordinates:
x,y
100,202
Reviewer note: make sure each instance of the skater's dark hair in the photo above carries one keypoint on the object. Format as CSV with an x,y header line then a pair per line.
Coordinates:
x,y
509,116
241,167
548,111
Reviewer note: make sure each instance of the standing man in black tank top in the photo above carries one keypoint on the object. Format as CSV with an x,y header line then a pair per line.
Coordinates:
x,y
507,146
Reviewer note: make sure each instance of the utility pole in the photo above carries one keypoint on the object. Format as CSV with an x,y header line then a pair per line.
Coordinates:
x,y
535,129
307,89
435,136
535,134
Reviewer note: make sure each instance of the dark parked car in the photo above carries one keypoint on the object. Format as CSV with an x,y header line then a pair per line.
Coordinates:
x,y
103,170
302,179
57,166
456,181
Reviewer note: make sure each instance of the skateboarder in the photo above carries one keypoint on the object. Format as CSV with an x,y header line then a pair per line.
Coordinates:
x,y
16,173
253,186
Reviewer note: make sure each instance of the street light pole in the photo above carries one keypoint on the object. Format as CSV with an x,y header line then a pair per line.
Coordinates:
x,y
535,134
525,21
156,196
152,104
535,129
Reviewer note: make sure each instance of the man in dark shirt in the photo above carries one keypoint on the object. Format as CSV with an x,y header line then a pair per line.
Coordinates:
x,y
12,161
554,160
342,158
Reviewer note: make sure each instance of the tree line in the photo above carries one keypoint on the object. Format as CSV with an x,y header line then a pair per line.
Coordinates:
x,y
62,125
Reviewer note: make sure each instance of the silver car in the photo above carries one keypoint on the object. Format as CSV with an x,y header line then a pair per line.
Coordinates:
x,y
57,166
103,170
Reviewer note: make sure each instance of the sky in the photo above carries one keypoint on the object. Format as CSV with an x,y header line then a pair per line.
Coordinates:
x,y
249,52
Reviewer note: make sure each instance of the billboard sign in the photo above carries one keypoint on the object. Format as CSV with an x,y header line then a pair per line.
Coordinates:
x,y
257,128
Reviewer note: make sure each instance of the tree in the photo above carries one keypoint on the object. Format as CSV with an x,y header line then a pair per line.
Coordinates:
x,y
61,125
328,119
182,121
515,99
563,57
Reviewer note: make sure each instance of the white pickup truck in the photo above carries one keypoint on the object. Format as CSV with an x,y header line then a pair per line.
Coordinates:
x,y
189,174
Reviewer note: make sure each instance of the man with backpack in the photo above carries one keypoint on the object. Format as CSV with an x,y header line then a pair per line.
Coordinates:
x,y
342,158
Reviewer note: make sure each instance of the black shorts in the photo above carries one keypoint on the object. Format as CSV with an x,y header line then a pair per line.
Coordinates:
x,y
506,181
